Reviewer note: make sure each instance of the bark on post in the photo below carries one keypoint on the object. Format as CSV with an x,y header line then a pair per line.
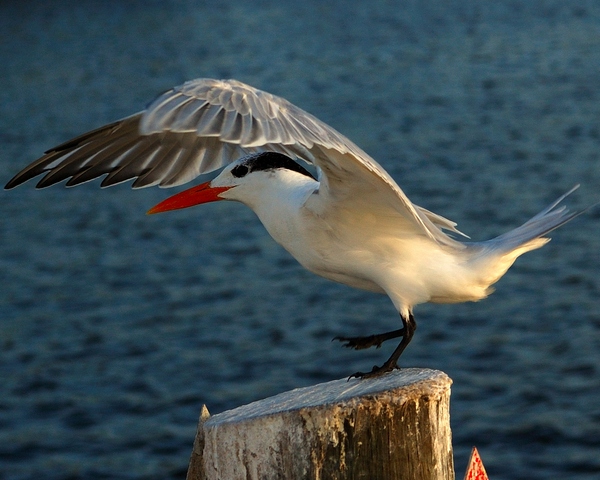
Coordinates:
x,y
195,469
393,427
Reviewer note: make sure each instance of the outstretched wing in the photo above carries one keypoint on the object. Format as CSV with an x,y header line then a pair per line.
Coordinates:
x,y
204,125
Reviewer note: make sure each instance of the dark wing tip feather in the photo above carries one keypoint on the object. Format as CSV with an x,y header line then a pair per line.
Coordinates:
x,y
33,170
55,173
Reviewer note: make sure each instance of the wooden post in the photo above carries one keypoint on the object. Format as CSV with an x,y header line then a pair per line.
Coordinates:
x,y
393,427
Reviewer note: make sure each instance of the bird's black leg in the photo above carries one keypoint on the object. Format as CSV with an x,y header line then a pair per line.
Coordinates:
x,y
392,363
359,343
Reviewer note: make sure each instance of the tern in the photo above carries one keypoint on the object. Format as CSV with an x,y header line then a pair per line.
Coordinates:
x,y
350,223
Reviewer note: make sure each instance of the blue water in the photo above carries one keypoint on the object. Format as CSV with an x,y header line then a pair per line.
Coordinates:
x,y
115,327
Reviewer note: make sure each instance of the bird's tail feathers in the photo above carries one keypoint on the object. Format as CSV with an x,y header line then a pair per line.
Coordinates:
x,y
532,231
494,257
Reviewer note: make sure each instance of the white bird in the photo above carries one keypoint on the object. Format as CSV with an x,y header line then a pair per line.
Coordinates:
x,y
353,224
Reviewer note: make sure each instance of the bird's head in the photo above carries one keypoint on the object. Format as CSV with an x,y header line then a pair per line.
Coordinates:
x,y
244,180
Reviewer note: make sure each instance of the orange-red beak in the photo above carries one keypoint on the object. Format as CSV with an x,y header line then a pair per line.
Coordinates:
x,y
203,193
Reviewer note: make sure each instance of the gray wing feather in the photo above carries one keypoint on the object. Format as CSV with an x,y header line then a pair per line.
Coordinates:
x,y
204,125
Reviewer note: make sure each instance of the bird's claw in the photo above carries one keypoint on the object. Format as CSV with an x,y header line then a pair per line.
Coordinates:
x,y
359,343
375,372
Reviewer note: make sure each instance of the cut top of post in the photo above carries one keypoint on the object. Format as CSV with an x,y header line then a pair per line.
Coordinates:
x,y
407,382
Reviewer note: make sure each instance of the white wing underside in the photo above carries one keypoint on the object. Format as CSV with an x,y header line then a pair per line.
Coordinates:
x,y
205,124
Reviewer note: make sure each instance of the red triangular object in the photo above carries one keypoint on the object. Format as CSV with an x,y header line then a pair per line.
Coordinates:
x,y
475,470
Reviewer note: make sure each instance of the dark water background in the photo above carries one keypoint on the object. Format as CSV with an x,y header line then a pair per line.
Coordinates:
x,y
115,327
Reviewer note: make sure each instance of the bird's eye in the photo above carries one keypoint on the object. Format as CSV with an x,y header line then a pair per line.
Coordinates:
x,y
239,171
